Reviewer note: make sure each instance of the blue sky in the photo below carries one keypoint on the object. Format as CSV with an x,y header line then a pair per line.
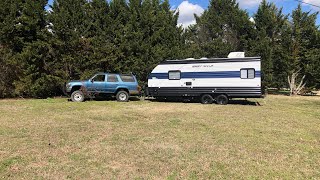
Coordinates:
x,y
189,7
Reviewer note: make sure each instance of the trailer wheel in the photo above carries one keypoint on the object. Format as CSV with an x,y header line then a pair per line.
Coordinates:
x,y
222,99
206,99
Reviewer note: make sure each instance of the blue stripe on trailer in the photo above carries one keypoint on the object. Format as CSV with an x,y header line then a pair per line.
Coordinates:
x,y
191,75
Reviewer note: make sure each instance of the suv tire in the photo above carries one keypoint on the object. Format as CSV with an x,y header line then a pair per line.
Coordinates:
x,y
122,96
77,96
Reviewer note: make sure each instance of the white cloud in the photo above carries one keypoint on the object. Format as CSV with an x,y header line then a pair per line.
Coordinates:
x,y
312,2
251,4
247,4
186,13
252,20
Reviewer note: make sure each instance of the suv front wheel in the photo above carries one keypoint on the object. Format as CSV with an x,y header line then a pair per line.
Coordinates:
x,y
122,96
77,96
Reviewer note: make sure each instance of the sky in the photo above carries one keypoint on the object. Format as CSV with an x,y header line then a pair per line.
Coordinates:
x,y
187,8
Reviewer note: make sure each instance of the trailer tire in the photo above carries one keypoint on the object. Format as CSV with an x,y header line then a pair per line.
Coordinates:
x,y
206,99
122,96
222,99
77,96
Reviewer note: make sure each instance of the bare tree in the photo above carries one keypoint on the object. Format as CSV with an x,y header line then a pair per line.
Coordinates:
x,y
294,88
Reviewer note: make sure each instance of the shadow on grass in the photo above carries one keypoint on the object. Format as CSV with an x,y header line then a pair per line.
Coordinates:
x,y
287,92
110,98
233,102
244,102
114,99
278,92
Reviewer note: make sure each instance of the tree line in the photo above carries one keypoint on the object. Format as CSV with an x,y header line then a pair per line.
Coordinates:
x,y
40,49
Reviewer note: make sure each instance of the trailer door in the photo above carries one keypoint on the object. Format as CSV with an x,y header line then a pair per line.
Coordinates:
x,y
188,85
182,81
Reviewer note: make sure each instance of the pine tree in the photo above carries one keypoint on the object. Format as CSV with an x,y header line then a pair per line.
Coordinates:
x,y
70,25
36,77
13,33
304,45
26,52
271,27
145,33
315,68
222,28
161,35
7,72
11,43
119,14
99,35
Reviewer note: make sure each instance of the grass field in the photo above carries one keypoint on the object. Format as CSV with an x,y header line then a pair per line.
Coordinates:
x,y
57,139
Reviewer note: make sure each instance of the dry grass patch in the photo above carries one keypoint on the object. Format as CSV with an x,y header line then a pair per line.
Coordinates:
x,y
56,139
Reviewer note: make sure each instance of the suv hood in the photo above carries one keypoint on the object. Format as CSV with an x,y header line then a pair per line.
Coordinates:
x,y
76,82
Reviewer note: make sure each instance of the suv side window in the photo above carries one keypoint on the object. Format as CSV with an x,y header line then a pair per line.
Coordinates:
x,y
112,78
127,78
99,78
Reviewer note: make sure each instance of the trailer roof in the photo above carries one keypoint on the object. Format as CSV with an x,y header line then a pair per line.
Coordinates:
x,y
210,60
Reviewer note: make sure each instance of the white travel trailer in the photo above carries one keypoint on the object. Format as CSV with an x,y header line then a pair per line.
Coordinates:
x,y
210,79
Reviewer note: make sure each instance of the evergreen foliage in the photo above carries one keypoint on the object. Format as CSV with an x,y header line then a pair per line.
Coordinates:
x,y
271,34
41,49
222,28
305,45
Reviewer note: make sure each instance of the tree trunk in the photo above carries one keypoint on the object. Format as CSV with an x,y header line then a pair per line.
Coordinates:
x,y
294,88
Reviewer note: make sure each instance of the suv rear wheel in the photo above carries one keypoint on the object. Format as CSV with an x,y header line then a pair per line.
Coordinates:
x,y
122,96
77,96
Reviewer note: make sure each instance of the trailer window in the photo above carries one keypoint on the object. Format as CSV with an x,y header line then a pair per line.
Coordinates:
x,y
247,73
251,73
244,74
174,75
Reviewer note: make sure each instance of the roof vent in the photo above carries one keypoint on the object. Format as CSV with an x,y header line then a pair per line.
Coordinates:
x,y
190,59
204,58
236,55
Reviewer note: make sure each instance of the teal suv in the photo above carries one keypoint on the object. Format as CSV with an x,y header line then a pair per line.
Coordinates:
x,y
122,86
